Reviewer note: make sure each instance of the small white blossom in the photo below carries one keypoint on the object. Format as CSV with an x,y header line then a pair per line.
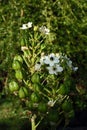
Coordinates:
x,y
42,59
54,69
75,68
45,59
51,103
44,30
29,24
37,66
51,59
58,55
24,48
26,26
59,68
69,63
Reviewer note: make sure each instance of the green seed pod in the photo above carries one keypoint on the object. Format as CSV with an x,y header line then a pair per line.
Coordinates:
x,y
13,86
35,78
18,74
23,92
18,58
35,97
16,65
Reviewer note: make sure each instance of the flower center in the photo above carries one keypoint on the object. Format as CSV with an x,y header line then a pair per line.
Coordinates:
x,y
38,63
54,68
51,58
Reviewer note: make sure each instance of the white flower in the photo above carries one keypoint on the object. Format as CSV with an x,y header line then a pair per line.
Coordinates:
x,y
69,63
44,30
51,103
51,59
45,59
54,69
59,68
37,66
42,59
75,68
29,24
58,55
26,26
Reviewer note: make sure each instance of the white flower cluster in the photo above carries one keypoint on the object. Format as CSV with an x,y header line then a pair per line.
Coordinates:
x,y
53,64
44,30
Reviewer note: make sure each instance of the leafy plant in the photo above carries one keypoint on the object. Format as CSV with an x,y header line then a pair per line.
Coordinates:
x,y
44,77
65,38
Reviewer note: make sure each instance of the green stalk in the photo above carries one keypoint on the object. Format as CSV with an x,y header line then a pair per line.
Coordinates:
x,y
33,123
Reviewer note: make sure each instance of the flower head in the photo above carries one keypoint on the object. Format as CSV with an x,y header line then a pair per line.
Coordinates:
x,y
29,24
51,103
37,66
44,30
69,63
59,68
75,68
54,69
51,59
26,26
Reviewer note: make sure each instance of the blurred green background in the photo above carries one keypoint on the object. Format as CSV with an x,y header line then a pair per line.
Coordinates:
x,y
67,20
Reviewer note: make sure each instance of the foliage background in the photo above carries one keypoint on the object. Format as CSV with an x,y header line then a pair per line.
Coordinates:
x,y
66,19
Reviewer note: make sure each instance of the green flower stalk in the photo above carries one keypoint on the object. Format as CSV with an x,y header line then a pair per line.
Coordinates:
x,y
40,74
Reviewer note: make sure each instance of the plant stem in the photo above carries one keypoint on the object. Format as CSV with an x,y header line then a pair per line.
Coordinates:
x,y
33,122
